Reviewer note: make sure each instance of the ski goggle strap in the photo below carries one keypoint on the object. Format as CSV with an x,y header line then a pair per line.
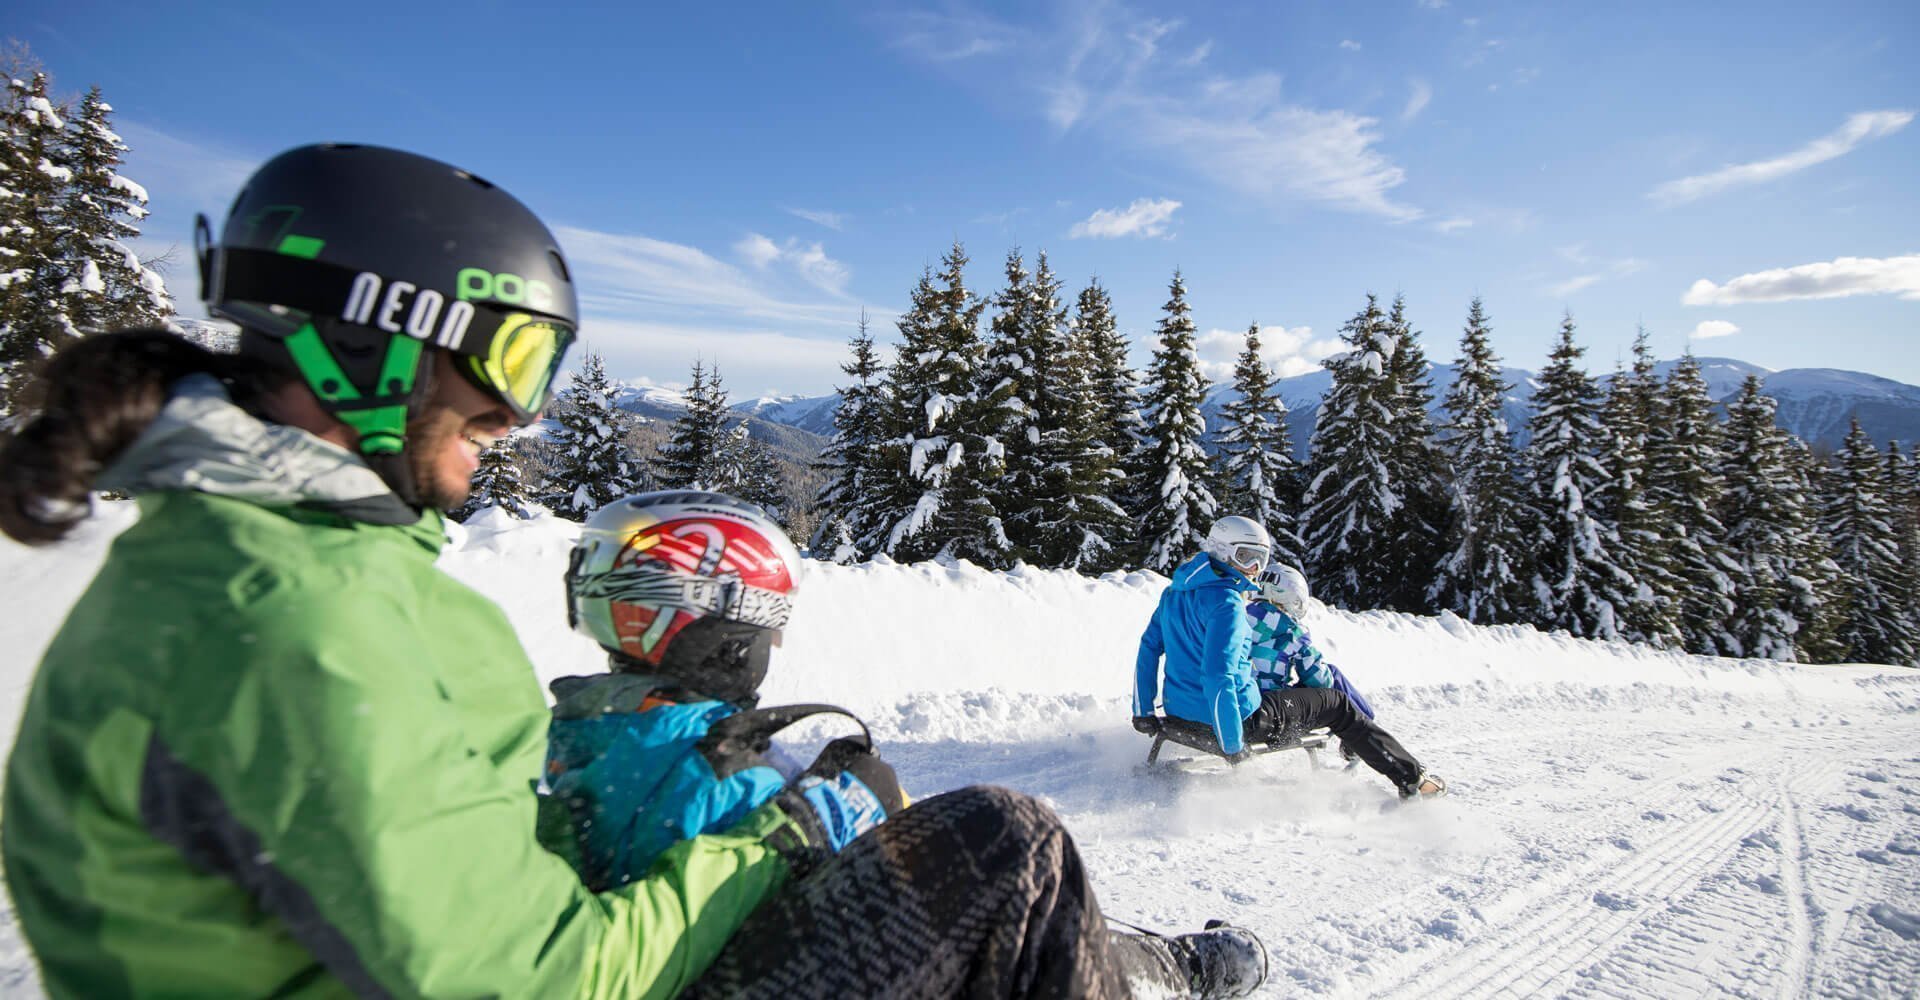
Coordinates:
x,y
511,354
707,596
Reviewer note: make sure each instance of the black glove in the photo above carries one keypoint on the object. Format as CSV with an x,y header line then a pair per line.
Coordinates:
x,y
1148,724
853,756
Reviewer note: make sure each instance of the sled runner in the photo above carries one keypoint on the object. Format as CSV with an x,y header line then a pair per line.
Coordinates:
x,y
1198,736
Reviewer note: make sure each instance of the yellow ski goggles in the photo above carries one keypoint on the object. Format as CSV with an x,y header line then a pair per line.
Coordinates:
x,y
521,360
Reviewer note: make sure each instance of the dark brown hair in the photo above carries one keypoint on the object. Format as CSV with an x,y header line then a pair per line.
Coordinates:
x,y
99,395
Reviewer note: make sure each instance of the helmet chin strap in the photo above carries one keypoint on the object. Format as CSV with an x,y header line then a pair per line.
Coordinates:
x,y
402,388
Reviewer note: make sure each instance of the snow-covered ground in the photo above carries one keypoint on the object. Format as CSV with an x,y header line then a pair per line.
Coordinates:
x,y
1624,822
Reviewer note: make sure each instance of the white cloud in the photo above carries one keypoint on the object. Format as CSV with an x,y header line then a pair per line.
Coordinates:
x,y
1349,45
952,37
1859,128
1197,56
1417,100
1835,279
1577,254
1145,217
624,274
1288,352
1101,68
652,306
1708,329
758,250
831,220
1453,225
1436,5
809,260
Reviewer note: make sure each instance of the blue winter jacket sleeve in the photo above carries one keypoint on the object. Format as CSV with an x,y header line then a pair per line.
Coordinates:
x,y
1146,665
1227,637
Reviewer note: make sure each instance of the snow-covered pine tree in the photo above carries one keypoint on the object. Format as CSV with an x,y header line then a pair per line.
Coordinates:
x,y
1874,623
1483,571
108,288
1632,408
1351,499
1577,584
1825,590
1011,389
497,483
1117,429
1181,507
1905,513
592,463
1415,467
1683,477
1255,453
846,531
746,468
1074,520
1764,511
33,318
685,460
938,462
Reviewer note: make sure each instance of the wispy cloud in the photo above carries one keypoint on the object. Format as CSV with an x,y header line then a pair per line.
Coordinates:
x,y
1432,4
651,306
1349,45
1615,269
1835,279
1419,96
831,220
1288,351
1147,217
1197,56
1103,68
809,260
1453,225
1859,128
952,36
1709,329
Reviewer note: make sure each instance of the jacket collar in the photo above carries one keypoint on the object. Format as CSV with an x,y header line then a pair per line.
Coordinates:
x,y
202,442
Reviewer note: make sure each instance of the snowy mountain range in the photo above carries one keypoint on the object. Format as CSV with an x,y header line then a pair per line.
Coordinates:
x,y
1816,404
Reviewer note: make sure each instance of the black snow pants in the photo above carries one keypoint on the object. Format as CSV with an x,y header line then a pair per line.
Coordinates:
x,y
975,893
1290,712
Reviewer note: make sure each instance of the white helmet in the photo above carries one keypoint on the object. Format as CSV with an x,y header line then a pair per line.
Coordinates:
x,y
1285,588
1240,542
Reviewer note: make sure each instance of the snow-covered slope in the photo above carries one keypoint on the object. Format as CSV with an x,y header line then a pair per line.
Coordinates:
x,y
1624,823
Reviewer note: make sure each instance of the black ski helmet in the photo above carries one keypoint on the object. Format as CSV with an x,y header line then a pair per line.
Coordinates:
x,y
344,263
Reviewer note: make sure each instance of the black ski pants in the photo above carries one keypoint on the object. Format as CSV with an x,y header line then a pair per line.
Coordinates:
x,y
975,893
1287,713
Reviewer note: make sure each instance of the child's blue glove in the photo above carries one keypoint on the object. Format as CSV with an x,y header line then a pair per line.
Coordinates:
x,y
849,790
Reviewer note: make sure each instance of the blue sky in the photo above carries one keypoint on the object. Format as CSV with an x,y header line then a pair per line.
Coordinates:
x,y
738,183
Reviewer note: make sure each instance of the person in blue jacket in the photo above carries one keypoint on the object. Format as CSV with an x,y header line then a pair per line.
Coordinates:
x,y
687,591
1201,628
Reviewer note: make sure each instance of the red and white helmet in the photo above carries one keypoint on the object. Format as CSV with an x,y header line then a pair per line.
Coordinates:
x,y
691,585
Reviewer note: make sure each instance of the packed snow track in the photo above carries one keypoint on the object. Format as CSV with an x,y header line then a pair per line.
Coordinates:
x,y
1623,823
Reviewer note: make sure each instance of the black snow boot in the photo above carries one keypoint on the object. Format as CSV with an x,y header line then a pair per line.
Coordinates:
x,y
1219,962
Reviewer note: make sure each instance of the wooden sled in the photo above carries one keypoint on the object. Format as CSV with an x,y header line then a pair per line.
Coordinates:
x,y
1197,736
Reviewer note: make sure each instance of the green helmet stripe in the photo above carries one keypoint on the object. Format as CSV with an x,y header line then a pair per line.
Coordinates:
x,y
301,246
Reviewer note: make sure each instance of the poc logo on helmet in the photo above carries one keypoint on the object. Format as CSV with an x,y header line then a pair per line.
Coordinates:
x,y
478,283
405,308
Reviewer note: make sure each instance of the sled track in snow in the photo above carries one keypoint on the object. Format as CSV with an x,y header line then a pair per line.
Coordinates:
x,y
1593,910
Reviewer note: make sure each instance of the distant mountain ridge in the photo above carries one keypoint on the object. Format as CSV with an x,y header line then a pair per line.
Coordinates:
x,y
1816,404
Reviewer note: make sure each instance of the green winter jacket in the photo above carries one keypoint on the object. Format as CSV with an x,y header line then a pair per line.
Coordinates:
x,y
274,751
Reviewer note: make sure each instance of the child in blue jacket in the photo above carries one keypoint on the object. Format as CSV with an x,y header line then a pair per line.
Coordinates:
x,y
688,592
1283,653
1201,628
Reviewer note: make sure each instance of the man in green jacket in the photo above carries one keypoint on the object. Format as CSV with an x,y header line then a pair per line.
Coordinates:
x,y
274,751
